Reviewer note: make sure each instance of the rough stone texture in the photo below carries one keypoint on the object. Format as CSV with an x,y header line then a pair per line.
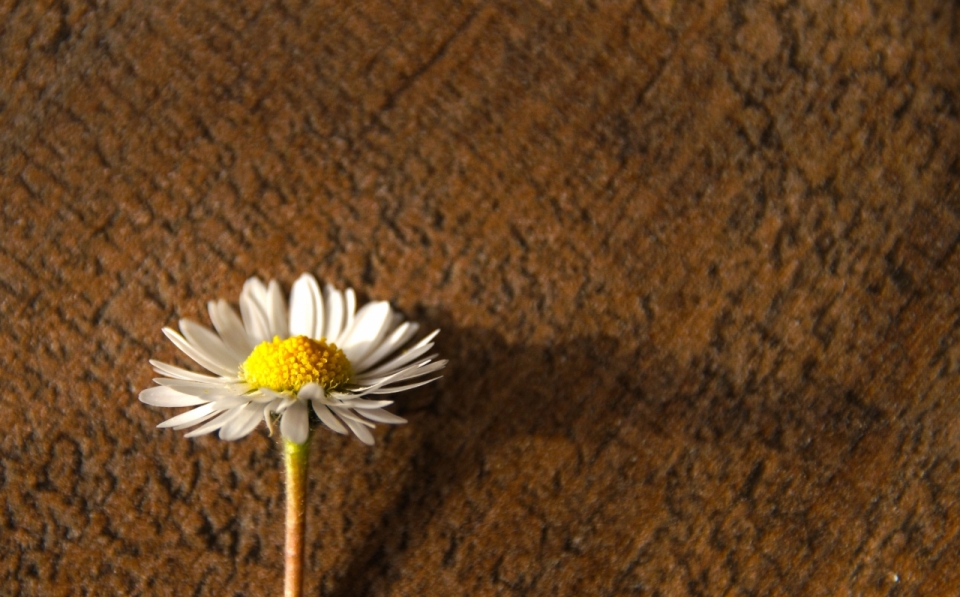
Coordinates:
x,y
695,264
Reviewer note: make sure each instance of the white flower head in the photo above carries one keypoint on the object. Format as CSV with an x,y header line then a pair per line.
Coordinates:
x,y
322,353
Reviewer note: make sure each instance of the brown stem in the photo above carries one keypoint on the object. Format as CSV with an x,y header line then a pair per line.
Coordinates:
x,y
295,460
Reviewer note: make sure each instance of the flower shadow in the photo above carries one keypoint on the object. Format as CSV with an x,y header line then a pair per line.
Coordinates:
x,y
494,394
550,451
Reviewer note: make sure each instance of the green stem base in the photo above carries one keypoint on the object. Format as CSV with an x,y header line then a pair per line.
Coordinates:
x,y
295,462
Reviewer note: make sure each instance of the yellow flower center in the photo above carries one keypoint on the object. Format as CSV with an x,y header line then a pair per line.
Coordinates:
x,y
288,365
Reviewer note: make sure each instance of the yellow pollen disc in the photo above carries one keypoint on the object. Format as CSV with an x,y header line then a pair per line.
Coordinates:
x,y
288,365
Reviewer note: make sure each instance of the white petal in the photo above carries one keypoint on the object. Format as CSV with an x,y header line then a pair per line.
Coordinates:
x,y
395,389
360,403
360,430
311,391
350,309
381,416
267,394
216,423
395,340
243,424
209,342
168,397
191,417
277,311
202,388
318,325
327,417
202,413
198,355
253,309
257,291
408,356
230,327
367,331
418,370
226,402
303,306
178,373
347,415
421,367
295,424
395,367
267,418
334,315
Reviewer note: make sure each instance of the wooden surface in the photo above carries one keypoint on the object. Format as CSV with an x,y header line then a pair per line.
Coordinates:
x,y
695,264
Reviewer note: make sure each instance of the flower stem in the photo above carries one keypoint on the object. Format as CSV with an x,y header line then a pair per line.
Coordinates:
x,y
295,461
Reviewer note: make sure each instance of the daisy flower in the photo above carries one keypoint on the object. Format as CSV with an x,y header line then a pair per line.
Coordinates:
x,y
322,354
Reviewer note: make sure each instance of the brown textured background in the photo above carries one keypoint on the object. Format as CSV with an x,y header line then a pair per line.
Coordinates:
x,y
695,264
